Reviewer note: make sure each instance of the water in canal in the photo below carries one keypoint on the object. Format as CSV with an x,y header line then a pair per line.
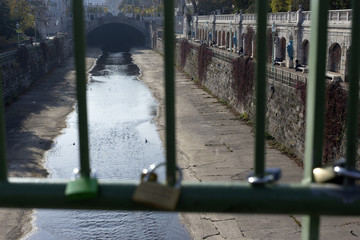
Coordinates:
x,y
121,111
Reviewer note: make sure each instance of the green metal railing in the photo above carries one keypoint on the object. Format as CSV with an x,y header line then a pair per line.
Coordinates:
x,y
307,198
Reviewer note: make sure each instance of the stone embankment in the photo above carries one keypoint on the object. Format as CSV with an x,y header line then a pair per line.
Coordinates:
x,y
214,145
231,78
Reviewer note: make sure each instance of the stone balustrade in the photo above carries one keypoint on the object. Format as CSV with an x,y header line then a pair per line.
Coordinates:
x,y
230,32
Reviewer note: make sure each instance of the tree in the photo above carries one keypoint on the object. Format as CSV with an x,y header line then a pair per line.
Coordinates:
x,y
7,24
280,5
247,6
208,6
340,4
20,11
296,3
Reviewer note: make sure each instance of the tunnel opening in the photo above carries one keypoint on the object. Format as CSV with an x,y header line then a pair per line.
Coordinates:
x,y
115,37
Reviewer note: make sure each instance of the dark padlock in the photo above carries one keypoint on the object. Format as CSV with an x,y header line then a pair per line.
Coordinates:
x,y
271,175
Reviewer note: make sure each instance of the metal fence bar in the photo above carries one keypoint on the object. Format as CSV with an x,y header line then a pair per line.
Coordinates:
x,y
3,163
353,98
315,105
79,44
260,88
170,91
322,199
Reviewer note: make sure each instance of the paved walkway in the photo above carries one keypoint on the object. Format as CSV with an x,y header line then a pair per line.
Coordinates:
x,y
215,146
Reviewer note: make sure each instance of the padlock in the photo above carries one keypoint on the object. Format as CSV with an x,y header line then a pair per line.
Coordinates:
x,y
271,175
325,175
152,177
82,187
335,173
157,195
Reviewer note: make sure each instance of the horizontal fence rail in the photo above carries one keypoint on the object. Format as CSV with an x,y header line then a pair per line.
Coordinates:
x,y
322,199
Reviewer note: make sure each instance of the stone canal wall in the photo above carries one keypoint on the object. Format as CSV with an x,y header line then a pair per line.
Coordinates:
x,y
286,97
21,68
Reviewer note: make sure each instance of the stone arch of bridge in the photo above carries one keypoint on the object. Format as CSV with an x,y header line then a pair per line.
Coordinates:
x,y
334,57
305,45
283,48
116,37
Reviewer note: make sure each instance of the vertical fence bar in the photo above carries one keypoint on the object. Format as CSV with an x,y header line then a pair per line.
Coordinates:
x,y
353,98
3,165
169,91
315,100
261,7
79,45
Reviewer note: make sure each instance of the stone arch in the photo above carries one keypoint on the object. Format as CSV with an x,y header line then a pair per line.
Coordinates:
x,y
242,40
227,40
305,45
223,43
249,41
334,58
283,48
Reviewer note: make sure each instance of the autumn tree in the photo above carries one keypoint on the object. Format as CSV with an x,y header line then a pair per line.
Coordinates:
x,y
20,11
7,24
280,5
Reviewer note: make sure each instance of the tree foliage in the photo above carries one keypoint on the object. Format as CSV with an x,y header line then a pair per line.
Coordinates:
x,y
295,5
340,4
21,12
280,5
7,24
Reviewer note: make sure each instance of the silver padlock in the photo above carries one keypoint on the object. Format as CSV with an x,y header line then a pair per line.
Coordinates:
x,y
157,195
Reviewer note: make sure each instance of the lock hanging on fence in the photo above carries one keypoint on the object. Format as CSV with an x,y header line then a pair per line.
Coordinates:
x,y
82,187
335,173
155,194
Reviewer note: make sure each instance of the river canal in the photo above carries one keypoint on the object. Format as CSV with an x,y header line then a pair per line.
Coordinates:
x,y
121,110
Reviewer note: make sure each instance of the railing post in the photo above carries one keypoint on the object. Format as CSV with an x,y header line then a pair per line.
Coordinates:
x,y
3,162
260,88
353,98
79,41
315,105
170,91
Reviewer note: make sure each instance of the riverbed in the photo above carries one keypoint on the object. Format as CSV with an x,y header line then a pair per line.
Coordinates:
x,y
123,140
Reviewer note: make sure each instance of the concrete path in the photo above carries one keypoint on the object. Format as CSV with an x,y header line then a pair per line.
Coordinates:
x,y
215,146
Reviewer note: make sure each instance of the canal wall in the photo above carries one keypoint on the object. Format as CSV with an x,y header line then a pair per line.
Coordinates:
x,y
231,79
21,68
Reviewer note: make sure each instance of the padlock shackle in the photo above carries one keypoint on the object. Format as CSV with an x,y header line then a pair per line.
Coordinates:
x,y
155,166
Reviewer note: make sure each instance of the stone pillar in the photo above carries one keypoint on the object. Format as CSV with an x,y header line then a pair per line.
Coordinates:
x,y
213,27
196,27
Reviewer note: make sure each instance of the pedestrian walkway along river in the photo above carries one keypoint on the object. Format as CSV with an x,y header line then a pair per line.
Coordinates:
x,y
123,141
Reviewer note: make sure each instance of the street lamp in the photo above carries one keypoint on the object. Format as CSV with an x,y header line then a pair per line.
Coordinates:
x,y
17,29
273,30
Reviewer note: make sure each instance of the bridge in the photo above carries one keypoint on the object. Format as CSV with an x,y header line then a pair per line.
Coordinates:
x,y
135,27
287,26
